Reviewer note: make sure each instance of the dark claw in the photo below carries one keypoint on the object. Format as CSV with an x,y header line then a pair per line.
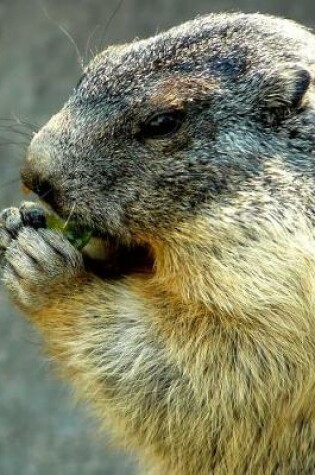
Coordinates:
x,y
12,220
33,217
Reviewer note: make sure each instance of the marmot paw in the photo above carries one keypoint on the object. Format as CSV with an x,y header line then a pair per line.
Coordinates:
x,y
34,261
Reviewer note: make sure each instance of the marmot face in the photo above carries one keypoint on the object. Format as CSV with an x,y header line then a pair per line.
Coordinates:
x,y
159,130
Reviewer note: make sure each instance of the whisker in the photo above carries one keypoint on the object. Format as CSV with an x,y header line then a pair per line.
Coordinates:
x,y
18,144
26,123
70,214
101,44
66,33
16,121
9,140
14,126
43,196
9,130
87,53
78,53
10,182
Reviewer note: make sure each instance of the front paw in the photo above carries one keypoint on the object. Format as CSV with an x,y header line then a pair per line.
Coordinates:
x,y
37,263
10,224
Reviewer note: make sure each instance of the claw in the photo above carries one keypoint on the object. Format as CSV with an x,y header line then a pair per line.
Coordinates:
x,y
33,216
11,219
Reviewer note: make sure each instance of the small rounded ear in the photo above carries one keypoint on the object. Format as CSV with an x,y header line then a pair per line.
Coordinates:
x,y
285,87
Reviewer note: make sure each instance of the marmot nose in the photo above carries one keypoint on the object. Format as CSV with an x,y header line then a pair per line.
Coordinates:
x,y
35,174
34,182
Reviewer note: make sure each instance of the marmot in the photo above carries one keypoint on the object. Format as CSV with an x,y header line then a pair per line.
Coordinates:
x,y
192,153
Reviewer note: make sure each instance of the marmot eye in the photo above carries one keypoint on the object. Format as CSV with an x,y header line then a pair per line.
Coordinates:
x,y
162,125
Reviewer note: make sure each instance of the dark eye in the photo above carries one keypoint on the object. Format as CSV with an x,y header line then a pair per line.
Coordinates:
x,y
162,125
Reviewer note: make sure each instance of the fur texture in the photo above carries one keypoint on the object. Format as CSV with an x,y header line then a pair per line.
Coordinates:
x,y
205,363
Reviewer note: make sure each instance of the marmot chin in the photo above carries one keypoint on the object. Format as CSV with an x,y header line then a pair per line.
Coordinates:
x,y
191,157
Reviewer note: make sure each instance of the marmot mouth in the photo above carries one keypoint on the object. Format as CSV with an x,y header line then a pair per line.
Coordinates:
x,y
108,258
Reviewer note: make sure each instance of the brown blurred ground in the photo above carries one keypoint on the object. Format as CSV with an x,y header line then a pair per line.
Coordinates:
x,y
41,433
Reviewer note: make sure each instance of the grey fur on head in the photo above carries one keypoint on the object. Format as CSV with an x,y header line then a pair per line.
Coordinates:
x,y
240,82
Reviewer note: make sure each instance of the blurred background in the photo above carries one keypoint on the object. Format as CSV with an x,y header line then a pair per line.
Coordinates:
x,y
41,432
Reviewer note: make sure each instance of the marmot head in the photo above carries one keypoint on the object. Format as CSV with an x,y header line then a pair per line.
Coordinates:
x,y
217,113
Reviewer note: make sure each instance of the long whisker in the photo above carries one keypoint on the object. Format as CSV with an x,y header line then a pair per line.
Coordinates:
x,y
70,215
10,130
66,33
108,24
26,123
78,53
87,53
16,121
43,196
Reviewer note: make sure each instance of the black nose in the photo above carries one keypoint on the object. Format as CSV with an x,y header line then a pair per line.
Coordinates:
x,y
43,171
34,182
43,186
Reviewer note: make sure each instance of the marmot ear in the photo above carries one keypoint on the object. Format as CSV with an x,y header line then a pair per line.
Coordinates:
x,y
284,88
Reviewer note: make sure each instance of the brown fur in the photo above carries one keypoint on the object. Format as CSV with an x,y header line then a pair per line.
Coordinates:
x,y
250,379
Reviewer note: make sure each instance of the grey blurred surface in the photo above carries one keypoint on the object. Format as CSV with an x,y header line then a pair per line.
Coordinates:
x,y
41,432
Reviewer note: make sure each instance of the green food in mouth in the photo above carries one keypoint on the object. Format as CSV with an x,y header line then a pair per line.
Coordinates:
x,y
37,218
78,237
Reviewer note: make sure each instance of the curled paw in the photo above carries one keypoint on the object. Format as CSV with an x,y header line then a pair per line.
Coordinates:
x,y
34,261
